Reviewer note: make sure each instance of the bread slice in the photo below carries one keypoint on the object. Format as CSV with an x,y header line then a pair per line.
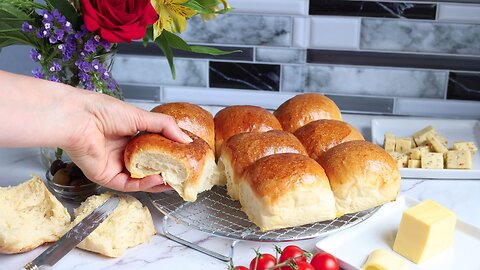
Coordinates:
x,y
30,216
129,225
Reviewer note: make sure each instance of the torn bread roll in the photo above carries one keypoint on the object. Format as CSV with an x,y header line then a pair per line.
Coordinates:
x,y
362,175
320,135
305,108
286,190
242,118
191,117
188,168
243,149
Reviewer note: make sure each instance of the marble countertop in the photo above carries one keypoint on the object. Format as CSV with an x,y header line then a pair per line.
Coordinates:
x,y
16,166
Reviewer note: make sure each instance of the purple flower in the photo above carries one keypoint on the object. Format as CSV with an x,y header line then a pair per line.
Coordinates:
x,y
90,46
105,75
85,66
95,64
67,55
35,55
27,28
52,39
47,17
59,33
83,76
47,25
37,73
62,47
43,33
53,78
55,66
67,26
112,85
79,35
88,85
56,14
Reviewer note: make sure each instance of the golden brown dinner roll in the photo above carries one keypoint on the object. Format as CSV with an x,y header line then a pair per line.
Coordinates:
x,y
305,108
320,135
241,150
191,117
286,190
362,175
187,168
242,118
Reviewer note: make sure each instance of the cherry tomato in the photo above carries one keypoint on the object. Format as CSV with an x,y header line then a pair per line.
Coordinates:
x,y
264,262
324,261
240,268
305,266
292,252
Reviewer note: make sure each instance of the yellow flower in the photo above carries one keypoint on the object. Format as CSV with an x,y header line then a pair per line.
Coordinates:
x,y
172,16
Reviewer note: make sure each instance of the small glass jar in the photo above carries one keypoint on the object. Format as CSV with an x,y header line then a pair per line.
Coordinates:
x,y
72,193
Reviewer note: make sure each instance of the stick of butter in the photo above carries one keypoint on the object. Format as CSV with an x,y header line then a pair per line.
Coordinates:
x,y
380,259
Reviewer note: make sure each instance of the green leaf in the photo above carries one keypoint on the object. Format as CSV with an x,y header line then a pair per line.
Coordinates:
x,y
211,51
10,26
67,10
162,42
194,5
209,3
177,42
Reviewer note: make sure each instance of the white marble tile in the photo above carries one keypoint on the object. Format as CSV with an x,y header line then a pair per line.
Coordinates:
x,y
420,36
376,81
155,70
294,78
241,29
280,55
334,32
301,32
459,13
286,7
437,108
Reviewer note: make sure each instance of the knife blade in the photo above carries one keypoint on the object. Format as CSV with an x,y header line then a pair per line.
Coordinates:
x,y
74,236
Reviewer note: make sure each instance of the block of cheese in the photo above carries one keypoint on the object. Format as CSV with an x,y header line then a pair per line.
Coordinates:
x,y
380,259
389,142
425,230
466,146
420,136
417,152
432,161
441,139
458,159
403,145
436,145
414,163
400,158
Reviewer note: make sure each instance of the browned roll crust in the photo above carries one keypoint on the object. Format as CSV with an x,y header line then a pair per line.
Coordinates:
x,y
242,118
305,108
187,168
362,175
241,150
320,135
286,190
191,117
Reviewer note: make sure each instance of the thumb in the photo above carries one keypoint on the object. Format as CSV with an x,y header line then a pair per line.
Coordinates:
x,y
164,124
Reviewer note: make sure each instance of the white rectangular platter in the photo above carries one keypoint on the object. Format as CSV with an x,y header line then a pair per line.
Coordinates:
x,y
453,130
352,246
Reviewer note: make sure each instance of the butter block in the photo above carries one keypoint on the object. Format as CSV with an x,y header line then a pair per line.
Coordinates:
x,y
458,159
432,161
414,163
436,145
389,142
466,146
420,136
403,145
400,158
417,152
425,230
380,259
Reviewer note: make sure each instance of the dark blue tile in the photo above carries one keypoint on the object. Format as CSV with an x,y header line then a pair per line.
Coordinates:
x,y
464,86
244,76
409,10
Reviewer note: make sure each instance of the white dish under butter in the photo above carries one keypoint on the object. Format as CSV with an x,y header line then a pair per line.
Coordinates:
x,y
353,246
453,130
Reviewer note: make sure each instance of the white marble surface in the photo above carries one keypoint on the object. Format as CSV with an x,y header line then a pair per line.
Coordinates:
x,y
16,165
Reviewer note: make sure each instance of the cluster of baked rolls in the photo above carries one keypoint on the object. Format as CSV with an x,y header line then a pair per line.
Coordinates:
x,y
298,165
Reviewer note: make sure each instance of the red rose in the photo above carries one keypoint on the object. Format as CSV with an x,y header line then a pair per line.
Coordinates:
x,y
118,20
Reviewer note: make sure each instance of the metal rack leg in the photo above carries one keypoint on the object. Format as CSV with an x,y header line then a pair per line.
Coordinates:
x,y
197,247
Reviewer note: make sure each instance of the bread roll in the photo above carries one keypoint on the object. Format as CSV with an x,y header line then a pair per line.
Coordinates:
x,y
129,225
286,190
30,216
191,117
241,150
187,168
320,135
362,175
243,118
305,108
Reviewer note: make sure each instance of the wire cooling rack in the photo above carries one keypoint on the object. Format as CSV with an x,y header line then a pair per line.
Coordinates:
x,y
214,212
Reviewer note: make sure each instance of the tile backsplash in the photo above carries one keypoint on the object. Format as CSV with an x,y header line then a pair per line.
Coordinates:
x,y
361,53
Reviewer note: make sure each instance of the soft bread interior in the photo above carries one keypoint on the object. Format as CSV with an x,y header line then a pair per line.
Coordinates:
x,y
209,177
30,216
226,172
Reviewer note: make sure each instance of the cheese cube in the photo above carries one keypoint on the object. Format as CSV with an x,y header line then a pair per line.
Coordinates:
x,y
403,145
400,158
420,136
441,139
458,159
413,142
416,153
436,145
389,142
380,259
425,230
414,163
432,161
466,146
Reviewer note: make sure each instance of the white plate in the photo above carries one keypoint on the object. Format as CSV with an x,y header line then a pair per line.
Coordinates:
x,y
353,246
453,130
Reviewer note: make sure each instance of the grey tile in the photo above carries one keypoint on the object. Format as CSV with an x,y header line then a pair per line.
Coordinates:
x,y
464,86
418,36
240,30
363,104
280,55
376,81
293,78
140,92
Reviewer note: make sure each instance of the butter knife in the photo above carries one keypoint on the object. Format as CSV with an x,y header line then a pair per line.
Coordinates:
x,y
73,237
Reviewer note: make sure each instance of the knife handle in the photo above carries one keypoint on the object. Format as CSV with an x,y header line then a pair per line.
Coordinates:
x,y
31,266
